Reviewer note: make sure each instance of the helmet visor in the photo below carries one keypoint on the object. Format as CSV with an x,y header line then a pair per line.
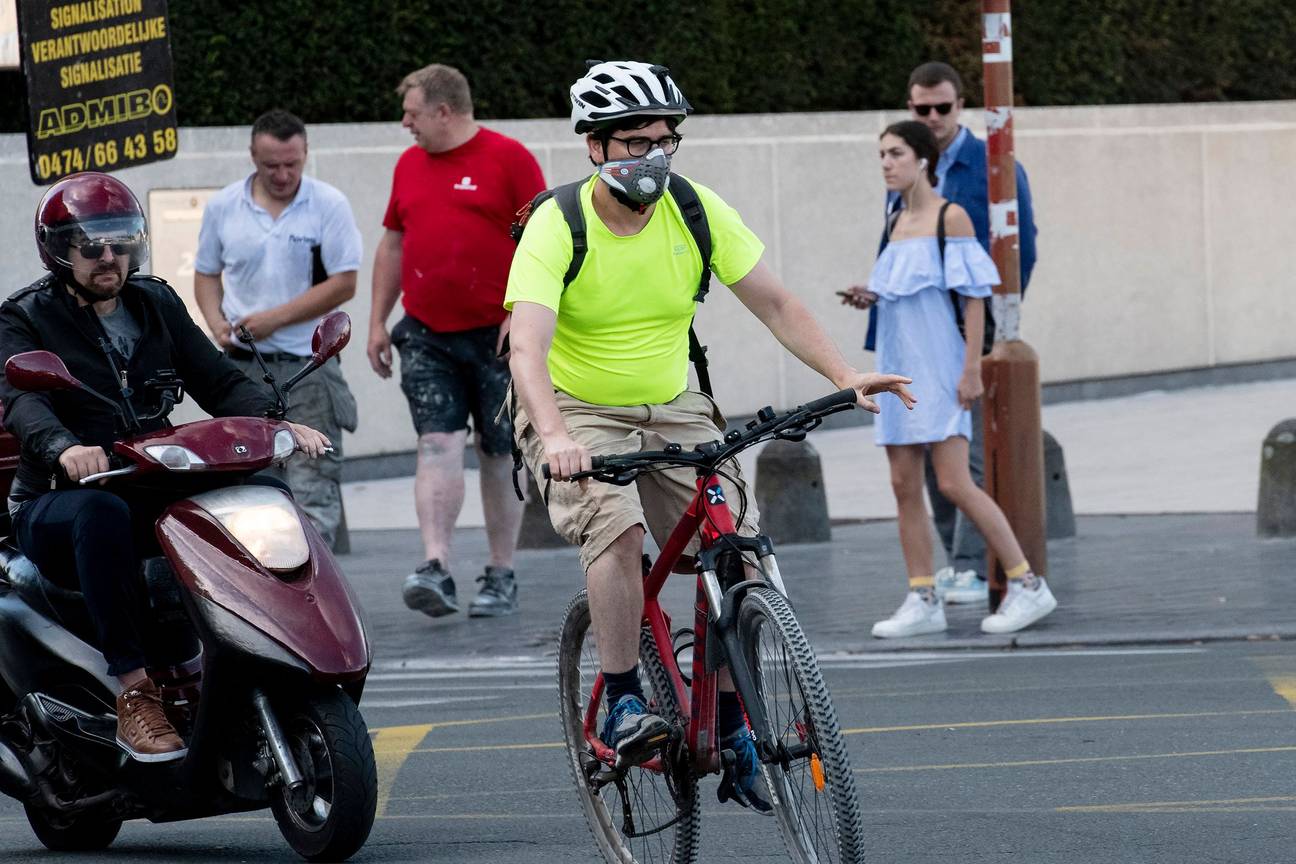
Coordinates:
x,y
126,236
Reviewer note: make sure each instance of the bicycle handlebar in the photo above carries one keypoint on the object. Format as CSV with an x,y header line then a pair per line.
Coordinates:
x,y
623,467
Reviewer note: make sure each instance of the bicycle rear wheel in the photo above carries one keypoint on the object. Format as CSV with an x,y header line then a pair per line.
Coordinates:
x,y
811,784
648,816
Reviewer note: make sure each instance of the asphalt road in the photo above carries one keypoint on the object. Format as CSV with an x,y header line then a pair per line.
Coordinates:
x,y
1154,754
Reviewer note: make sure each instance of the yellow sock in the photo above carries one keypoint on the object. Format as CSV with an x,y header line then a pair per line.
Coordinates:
x,y
1019,571
919,582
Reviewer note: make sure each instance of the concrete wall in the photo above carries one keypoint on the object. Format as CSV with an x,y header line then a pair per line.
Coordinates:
x,y
1160,246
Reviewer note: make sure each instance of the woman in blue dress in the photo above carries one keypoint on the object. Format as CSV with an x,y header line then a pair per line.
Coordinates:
x,y
915,291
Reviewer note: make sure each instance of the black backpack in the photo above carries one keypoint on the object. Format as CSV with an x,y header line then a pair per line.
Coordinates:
x,y
568,198
988,344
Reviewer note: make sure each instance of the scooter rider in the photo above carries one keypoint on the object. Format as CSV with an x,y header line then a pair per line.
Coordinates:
x,y
117,332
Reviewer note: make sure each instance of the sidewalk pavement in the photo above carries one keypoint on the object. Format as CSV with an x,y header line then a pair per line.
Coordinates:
x,y
1164,485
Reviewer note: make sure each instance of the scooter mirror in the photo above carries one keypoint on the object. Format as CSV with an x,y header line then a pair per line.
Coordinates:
x,y
331,336
38,371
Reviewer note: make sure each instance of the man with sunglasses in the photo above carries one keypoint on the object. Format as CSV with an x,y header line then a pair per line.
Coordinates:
x,y
935,99
116,331
600,365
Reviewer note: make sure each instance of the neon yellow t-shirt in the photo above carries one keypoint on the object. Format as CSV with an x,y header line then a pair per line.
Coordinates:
x,y
622,331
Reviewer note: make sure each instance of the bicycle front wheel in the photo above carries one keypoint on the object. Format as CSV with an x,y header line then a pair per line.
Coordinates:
x,y
649,815
811,784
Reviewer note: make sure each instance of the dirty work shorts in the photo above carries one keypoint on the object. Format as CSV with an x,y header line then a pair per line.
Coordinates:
x,y
447,377
596,516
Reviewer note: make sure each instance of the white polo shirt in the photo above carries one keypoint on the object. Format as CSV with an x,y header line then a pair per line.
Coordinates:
x,y
265,262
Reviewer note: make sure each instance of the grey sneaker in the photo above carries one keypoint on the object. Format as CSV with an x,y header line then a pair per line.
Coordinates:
x,y
498,594
430,590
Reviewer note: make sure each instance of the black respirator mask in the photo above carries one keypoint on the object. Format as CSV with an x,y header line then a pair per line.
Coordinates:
x,y
638,183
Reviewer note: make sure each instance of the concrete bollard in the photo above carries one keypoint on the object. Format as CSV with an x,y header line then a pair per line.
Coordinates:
x,y
537,531
790,493
1276,510
1059,516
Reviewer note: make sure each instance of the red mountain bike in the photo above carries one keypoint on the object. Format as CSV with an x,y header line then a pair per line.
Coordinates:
x,y
743,620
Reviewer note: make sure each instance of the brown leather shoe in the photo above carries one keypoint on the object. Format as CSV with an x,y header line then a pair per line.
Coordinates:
x,y
143,730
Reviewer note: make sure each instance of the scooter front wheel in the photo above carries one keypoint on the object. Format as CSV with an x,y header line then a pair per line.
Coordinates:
x,y
331,818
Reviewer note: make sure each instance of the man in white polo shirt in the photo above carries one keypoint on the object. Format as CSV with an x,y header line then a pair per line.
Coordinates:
x,y
277,251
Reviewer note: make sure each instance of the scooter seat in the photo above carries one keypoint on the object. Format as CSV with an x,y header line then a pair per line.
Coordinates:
x,y
61,605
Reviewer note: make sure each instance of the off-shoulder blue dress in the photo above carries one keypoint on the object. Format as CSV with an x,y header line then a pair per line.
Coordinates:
x,y
918,335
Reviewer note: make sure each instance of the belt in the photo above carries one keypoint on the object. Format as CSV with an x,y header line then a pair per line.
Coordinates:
x,y
268,356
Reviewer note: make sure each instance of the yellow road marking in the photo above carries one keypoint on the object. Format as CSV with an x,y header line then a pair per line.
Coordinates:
x,y
1285,686
1222,805
1029,763
394,744
448,724
1042,721
486,748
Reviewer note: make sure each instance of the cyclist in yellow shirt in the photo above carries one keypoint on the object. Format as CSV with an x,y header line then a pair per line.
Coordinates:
x,y
600,365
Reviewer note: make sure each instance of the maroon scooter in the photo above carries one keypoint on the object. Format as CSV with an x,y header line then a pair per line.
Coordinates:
x,y
270,654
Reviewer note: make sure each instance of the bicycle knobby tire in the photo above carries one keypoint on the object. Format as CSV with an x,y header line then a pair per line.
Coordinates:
x,y
801,717
666,812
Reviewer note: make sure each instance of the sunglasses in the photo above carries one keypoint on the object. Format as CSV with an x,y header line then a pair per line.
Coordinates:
x,y
94,251
942,109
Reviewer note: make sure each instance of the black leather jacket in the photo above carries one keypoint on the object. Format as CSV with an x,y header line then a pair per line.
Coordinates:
x,y
45,315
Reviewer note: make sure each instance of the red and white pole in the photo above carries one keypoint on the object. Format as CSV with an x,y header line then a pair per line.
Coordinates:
x,y
1014,463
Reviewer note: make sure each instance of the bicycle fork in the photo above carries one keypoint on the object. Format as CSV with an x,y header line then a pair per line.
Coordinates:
x,y
723,620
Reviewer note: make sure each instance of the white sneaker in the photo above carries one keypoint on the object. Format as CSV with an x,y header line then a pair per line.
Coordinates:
x,y
1020,609
915,617
960,587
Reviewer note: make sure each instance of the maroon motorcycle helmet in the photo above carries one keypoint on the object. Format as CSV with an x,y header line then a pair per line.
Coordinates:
x,y
90,210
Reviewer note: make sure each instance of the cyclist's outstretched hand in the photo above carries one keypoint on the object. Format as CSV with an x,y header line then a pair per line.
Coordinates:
x,y
870,383
566,457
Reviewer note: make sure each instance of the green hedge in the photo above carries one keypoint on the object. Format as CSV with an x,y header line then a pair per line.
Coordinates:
x,y
338,60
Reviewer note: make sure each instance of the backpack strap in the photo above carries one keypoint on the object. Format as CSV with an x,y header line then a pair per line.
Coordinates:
x,y
940,235
567,197
686,198
988,340
695,218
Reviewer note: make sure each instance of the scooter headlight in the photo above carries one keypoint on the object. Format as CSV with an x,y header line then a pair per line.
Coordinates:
x,y
175,457
284,445
263,520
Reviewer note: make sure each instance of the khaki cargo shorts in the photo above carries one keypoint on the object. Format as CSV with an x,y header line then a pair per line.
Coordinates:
x,y
596,516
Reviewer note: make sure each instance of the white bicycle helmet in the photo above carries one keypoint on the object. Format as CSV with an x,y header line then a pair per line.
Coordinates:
x,y
613,89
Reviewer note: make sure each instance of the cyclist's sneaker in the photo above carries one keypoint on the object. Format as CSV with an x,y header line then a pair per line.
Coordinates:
x,y
962,586
633,732
430,590
742,780
1021,608
915,617
498,594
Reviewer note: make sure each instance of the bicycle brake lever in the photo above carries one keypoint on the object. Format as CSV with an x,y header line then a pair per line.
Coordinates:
x,y
621,478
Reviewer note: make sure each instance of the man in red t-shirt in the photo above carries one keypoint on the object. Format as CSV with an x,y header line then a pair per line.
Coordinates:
x,y
446,255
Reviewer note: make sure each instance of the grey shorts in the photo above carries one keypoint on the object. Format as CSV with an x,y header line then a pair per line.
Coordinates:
x,y
448,378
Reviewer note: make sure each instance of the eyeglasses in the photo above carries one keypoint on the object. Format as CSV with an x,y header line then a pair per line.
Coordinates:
x,y
94,251
641,146
942,108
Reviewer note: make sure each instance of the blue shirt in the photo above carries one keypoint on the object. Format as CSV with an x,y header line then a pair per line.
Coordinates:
x,y
947,157
265,262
